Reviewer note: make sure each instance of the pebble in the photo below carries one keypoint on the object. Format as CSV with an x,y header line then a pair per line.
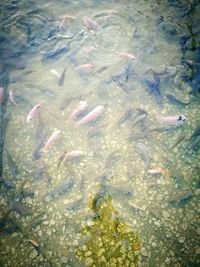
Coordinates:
x,y
84,248
33,254
198,230
87,254
100,252
144,252
40,233
29,201
165,214
13,250
49,232
103,259
181,239
154,244
75,243
64,259
167,260
157,223
89,261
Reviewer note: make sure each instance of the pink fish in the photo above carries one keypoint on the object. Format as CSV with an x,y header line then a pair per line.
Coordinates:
x,y
90,23
126,55
52,139
66,19
72,154
1,95
80,109
171,120
92,115
69,155
12,97
33,112
88,66
90,49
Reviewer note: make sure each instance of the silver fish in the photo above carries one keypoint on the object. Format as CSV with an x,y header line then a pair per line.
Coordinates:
x,y
143,151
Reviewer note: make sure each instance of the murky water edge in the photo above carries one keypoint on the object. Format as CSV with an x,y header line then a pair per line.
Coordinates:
x,y
118,182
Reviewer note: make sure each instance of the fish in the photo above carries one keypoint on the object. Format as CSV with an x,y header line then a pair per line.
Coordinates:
x,y
156,171
9,227
14,171
98,199
8,184
135,207
139,119
90,23
67,101
172,99
34,112
1,95
62,78
71,155
92,115
119,79
95,130
105,13
79,110
180,197
114,222
20,208
136,135
38,150
194,145
25,194
90,49
52,139
36,221
111,159
125,115
62,189
12,97
39,137
55,53
178,141
35,244
126,55
75,205
196,132
44,90
60,160
143,151
123,191
122,78
175,174
87,66
66,19
100,70
55,73
153,87
171,120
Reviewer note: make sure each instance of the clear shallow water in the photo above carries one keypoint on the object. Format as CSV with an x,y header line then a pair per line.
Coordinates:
x,y
103,208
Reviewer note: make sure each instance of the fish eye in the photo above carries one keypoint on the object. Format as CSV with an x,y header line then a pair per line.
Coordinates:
x,y
179,118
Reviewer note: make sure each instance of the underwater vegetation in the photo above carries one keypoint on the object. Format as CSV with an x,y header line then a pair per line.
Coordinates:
x,y
106,239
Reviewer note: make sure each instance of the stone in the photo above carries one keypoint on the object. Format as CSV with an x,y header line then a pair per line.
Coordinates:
x,y
100,252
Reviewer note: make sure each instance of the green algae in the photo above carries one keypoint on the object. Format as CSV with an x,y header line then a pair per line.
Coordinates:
x,y
108,240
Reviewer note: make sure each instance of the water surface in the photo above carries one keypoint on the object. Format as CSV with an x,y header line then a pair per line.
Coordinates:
x,y
131,197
